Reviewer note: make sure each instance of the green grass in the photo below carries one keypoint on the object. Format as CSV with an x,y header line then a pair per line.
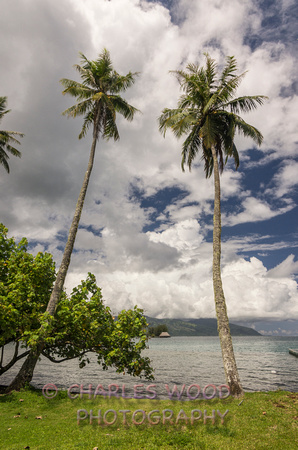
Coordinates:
x,y
261,421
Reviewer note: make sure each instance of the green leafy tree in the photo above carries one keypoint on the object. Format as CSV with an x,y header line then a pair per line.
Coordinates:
x,y
99,101
7,139
25,287
82,323
208,114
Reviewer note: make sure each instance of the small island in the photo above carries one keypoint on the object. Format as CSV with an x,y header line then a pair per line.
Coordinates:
x,y
158,330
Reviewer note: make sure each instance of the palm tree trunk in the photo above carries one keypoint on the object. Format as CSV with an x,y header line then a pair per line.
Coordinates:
x,y
223,326
26,372
62,272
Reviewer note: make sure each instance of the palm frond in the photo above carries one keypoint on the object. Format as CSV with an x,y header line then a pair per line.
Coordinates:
x,y
78,109
180,75
122,83
229,70
86,71
219,153
4,157
229,81
3,110
110,127
234,153
225,92
209,131
168,118
210,71
88,121
122,107
248,130
7,138
190,147
76,89
186,102
84,59
211,104
208,161
179,120
192,69
245,104
3,160
13,151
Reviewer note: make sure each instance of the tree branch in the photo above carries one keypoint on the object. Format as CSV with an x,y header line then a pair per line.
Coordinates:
x,y
65,359
14,359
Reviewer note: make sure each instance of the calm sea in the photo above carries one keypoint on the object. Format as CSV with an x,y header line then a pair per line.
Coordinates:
x,y
264,363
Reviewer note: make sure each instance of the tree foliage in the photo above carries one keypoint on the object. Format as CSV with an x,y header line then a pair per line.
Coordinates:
x,y
208,113
98,98
7,139
82,323
25,286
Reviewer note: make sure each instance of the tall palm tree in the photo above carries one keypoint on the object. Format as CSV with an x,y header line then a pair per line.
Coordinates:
x,y
7,138
98,100
208,113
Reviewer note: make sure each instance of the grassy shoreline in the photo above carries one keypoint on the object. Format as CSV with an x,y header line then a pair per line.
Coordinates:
x,y
261,420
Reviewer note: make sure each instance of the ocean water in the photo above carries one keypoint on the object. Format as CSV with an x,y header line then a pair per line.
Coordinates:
x,y
264,363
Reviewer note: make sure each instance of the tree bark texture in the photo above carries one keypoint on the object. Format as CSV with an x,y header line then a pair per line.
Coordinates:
x,y
26,372
223,326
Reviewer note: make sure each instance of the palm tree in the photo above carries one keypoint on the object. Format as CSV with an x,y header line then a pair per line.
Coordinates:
x,y
207,113
7,138
98,100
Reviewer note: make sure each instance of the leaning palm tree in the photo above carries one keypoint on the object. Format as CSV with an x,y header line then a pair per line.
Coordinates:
x,y
98,100
7,138
208,113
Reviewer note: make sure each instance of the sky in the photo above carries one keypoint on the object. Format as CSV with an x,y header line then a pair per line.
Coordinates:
x,y
146,227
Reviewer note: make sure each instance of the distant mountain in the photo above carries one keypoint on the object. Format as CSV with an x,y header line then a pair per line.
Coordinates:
x,y
273,327
198,327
